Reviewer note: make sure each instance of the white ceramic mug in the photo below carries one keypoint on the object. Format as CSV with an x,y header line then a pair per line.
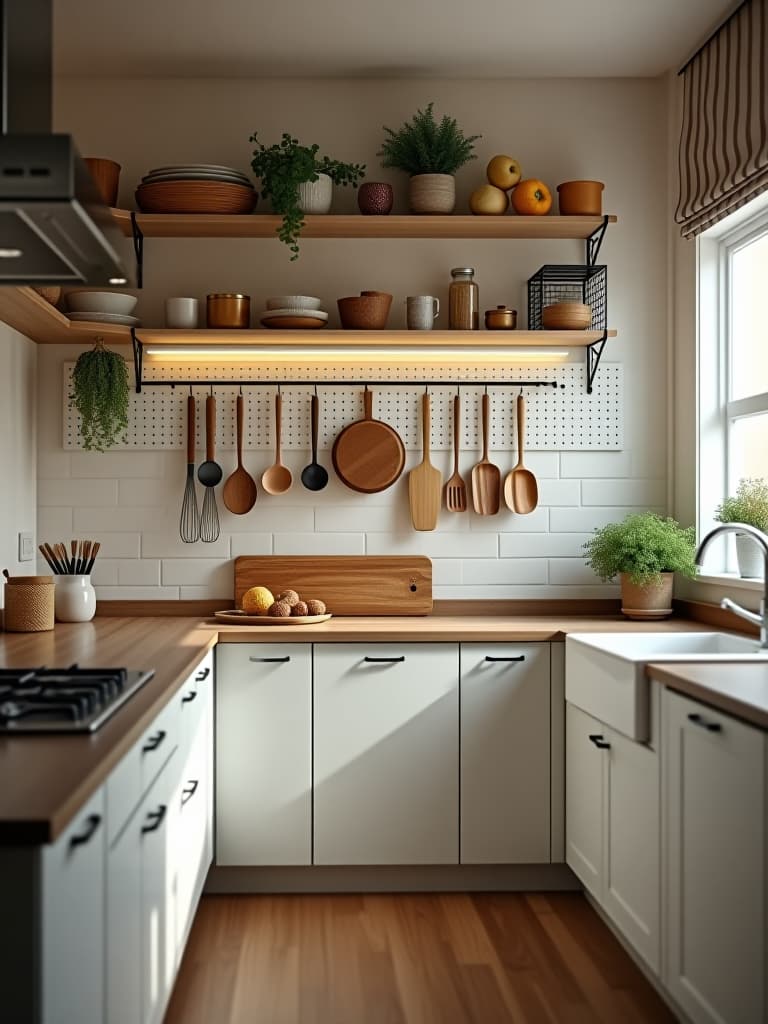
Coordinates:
x,y
181,313
421,312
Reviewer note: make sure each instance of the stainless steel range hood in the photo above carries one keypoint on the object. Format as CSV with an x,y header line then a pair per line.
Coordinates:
x,y
54,228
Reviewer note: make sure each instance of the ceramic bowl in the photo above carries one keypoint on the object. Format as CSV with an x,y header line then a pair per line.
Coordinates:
x,y
293,302
101,302
365,312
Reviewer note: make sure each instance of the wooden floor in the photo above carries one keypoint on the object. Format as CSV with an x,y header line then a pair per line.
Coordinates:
x,y
407,959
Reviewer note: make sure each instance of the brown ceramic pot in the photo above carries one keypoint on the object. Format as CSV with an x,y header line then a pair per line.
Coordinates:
x,y
375,198
581,198
367,311
647,601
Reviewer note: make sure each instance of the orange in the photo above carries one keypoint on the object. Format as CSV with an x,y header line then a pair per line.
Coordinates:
x,y
531,197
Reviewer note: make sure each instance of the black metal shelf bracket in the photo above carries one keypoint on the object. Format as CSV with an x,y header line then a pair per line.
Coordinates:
x,y
594,241
594,352
138,359
138,248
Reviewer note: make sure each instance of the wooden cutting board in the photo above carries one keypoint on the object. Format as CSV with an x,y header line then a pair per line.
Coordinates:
x,y
349,584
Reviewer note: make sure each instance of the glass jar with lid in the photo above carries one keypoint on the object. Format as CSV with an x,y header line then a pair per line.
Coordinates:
x,y
463,300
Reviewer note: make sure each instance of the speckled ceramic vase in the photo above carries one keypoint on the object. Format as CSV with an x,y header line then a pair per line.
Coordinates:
x,y
375,198
316,196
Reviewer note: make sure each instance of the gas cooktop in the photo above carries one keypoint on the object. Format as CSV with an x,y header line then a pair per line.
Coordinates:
x,y
64,700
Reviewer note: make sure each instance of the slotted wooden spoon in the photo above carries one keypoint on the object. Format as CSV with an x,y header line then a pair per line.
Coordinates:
x,y
521,492
456,489
425,482
486,478
240,487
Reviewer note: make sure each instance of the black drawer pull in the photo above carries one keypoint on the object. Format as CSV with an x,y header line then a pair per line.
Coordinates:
x,y
387,661
155,818
154,741
189,697
273,661
709,726
600,742
94,820
520,657
202,674
189,790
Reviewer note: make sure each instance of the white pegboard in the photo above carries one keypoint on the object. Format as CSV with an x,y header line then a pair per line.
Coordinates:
x,y
561,419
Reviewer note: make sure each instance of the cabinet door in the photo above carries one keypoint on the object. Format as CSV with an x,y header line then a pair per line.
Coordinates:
x,y
505,754
124,925
73,919
715,863
584,783
263,754
386,753
632,878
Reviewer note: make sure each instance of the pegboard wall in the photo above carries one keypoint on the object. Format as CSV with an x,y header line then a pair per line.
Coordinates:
x,y
562,419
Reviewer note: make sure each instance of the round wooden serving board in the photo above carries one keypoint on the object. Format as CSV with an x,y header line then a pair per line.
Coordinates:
x,y
241,618
368,455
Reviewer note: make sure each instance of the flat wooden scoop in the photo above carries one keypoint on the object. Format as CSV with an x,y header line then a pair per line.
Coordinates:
x,y
486,478
425,483
521,492
240,487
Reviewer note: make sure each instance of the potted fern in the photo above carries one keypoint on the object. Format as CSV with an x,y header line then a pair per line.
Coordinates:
x,y
297,181
644,551
749,505
431,153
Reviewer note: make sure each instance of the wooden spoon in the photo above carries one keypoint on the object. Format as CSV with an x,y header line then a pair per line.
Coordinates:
x,y
455,489
277,479
486,478
521,492
425,483
240,488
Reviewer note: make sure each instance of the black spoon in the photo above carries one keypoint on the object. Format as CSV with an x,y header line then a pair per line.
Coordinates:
x,y
314,476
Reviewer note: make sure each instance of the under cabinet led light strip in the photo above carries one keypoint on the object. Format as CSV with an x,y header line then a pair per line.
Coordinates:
x,y
346,354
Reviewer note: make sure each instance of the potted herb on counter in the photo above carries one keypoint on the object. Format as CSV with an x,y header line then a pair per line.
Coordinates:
x,y
749,506
297,181
100,395
431,153
644,551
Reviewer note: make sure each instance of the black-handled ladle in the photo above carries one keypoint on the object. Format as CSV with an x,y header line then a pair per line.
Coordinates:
x,y
314,476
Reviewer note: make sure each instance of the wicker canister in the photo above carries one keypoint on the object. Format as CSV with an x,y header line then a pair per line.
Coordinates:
x,y
29,604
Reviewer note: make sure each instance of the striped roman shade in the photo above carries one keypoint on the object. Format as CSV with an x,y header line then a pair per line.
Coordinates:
x,y
723,155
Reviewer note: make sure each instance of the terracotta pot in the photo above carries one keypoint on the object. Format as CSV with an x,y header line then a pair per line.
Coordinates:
x,y
647,601
106,174
316,196
749,557
432,193
581,198
375,198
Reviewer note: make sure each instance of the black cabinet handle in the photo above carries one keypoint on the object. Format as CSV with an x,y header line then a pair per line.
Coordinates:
x,y
599,742
520,657
154,741
273,660
93,822
189,697
155,819
709,726
189,790
388,661
202,674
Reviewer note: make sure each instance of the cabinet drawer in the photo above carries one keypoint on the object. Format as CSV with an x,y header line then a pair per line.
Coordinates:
x,y
192,700
158,743
123,792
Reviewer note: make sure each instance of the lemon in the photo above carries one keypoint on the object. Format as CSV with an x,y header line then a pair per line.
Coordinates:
x,y
257,601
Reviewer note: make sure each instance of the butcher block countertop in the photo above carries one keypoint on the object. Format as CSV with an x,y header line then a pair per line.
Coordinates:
x,y
45,779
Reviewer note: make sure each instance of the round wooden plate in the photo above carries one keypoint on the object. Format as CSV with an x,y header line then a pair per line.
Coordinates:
x,y
241,618
368,455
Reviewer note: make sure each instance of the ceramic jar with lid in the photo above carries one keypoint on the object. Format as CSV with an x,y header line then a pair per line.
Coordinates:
x,y
500,319
463,300
228,310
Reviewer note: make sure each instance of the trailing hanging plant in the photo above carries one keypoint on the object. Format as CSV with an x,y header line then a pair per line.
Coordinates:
x,y
422,146
749,505
100,395
284,166
644,545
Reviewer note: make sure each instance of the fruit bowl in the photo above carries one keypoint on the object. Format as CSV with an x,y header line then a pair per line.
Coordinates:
x,y
566,316
238,617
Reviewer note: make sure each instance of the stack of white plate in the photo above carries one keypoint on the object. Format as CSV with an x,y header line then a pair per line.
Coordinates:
x,y
103,308
197,172
293,313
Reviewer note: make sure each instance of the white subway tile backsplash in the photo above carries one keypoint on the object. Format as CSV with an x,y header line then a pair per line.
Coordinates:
x,y
53,524
104,572
53,465
170,545
504,571
77,492
559,492
435,545
545,465
120,465
118,545
595,464
268,516
119,520
199,572
446,572
531,592
319,543
137,594
209,593
251,544
146,492
568,520
623,492
571,570
380,519
541,545
508,522
142,572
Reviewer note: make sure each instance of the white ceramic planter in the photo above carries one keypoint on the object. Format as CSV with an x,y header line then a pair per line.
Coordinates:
x,y
749,557
432,193
316,196
74,599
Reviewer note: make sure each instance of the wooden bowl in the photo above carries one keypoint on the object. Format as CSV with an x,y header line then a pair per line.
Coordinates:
x,y
368,311
566,316
195,197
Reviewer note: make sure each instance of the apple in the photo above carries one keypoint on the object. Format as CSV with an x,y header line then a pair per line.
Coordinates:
x,y
488,199
504,172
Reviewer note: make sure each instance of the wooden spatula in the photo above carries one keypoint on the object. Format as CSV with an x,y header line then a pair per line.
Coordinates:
x,y
486,478
455,489
425,482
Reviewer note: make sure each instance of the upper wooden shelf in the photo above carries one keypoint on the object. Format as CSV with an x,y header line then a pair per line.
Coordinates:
x,y
29,313
260,225
394,340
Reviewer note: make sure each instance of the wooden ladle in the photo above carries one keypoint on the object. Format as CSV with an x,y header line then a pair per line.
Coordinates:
x,y
240,487
277,479
521,492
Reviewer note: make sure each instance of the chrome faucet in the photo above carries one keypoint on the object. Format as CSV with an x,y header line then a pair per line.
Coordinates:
x,y
760,538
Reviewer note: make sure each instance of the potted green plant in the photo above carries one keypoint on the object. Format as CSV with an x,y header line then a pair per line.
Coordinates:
x,y
750,506
431,153
100,395
644,551
297,181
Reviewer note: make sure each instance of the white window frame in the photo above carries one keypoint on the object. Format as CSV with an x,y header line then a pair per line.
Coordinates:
x,y
715,411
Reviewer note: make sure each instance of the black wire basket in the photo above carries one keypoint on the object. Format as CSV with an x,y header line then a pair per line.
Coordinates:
x,y
568,283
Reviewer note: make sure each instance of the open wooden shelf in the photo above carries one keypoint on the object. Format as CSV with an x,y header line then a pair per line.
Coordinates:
x,y
30,314
260,225
326,338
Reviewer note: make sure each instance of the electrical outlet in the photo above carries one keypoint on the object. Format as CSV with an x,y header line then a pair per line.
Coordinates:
x,y
26,547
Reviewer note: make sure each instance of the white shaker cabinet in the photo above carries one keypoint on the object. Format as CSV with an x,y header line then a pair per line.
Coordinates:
x,y
584,798
264,754
386,768
716,851
505,753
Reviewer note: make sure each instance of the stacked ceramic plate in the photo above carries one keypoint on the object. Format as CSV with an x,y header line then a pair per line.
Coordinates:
x,y
294,313
103,308
196,188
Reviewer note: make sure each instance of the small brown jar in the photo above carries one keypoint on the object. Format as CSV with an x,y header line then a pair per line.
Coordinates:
x,y
227,310
500,319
